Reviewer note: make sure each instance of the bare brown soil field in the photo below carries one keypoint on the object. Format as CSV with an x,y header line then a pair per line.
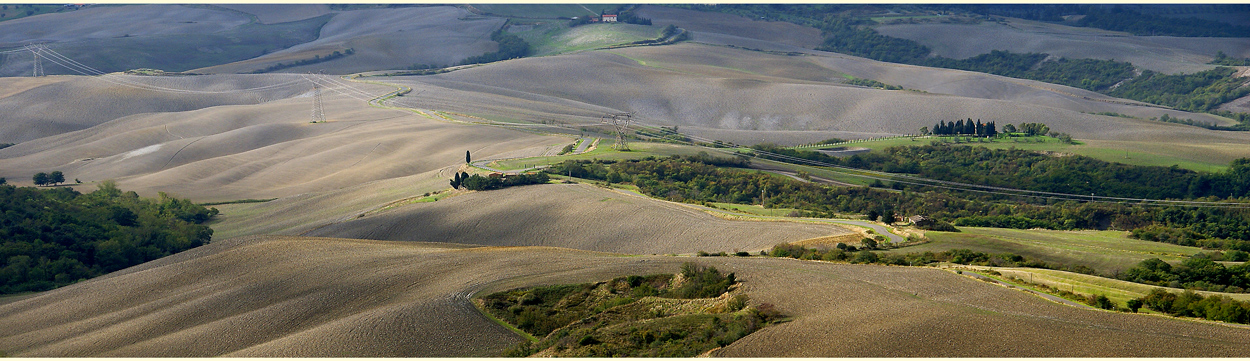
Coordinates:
x,y
734,26
573,216
99,22
385,39
1159,53
259,151
721,88
59,104
297,296
280,13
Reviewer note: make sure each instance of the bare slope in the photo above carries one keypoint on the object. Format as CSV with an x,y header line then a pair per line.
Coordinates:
x,y
280,13
58,104
385,39
101,22
296,296
732,29
573,216
1159,53
259,151
702,86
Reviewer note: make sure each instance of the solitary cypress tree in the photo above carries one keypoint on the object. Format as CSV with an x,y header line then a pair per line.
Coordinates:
x,y
467,158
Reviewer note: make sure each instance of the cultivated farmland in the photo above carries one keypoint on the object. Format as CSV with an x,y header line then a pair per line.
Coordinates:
x,y
296,296
573,216
1164,54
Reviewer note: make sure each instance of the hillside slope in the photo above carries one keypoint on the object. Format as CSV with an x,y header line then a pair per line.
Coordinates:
x,y
384,39
319,297
573,216
259,151
708,87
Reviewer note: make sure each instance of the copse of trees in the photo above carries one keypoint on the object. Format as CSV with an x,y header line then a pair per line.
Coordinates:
x,y
1200,272
495,181
55,237
961,127
510,47
45,179
1192,304
1199,92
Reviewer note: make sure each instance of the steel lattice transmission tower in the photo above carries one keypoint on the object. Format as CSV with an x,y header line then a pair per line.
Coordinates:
x,y
318,114
621,122
38,64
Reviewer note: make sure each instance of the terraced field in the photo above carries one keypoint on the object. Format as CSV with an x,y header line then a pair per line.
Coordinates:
x,y
298,296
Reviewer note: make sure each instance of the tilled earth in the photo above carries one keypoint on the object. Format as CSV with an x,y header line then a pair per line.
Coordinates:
x,y
301,296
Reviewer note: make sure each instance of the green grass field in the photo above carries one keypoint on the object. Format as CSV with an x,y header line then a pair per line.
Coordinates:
x,y
1118,291
1106,151
603,151
553,38
1104,251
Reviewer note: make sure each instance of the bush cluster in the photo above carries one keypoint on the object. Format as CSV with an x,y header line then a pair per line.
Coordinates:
x,y
56,237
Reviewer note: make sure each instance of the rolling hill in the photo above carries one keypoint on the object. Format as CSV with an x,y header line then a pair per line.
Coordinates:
x,y
298,296
573,216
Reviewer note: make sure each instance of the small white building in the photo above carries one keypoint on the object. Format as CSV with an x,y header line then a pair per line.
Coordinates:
x,y
609,18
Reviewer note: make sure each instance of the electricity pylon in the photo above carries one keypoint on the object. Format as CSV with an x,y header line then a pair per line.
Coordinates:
x,y
621,122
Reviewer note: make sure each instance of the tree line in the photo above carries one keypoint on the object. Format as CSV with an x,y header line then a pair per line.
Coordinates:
x,y
1198,92
691,181
315,59
966,128
1200,272
477,182
55,237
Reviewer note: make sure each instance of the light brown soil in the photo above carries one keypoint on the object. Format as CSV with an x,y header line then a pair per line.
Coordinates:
x,y
298,296
574,216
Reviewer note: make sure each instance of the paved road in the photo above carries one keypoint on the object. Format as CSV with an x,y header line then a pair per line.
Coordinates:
x,y
585,144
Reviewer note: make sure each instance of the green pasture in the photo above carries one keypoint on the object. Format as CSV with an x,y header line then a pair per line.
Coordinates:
x,y
1136,156
1116,290
603,151
555,37
1104,251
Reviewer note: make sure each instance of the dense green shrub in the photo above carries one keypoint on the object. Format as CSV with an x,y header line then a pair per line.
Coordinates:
x,y
58,236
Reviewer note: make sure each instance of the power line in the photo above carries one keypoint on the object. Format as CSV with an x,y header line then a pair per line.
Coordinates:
x,y
75,66
318,115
